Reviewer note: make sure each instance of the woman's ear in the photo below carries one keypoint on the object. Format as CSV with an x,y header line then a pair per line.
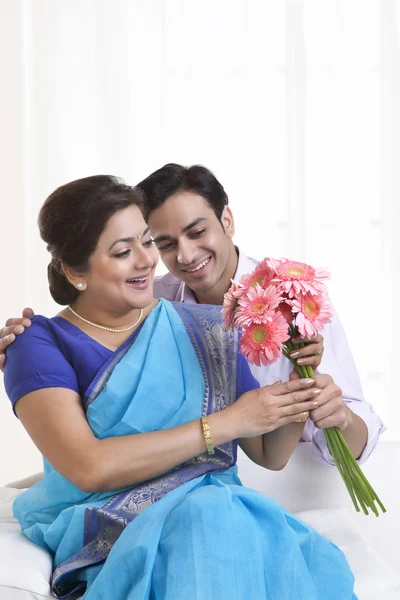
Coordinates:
x,y
228,222
75,278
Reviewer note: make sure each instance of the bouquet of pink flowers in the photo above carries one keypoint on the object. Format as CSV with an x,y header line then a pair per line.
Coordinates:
x,y
281,300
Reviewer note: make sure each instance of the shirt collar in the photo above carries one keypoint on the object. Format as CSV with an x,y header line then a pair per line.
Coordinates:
x,y
246,264
185,294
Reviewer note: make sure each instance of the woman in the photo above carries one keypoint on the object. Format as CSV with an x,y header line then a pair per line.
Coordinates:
x,y
136,406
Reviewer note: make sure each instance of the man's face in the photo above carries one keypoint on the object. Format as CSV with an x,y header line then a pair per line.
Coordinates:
x,y
192,242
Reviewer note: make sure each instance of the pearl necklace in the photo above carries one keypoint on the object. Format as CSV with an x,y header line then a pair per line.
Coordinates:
x,y
108,328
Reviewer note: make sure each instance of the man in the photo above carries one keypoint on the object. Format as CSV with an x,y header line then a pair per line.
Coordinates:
x,y
193,227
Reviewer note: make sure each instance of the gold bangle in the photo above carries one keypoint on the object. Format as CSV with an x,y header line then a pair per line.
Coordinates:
x,y
207,435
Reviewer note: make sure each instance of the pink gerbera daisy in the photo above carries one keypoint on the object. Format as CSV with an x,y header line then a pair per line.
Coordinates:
x,y
313,312
261,344
257,306
230,304
262,275
228,309
295,277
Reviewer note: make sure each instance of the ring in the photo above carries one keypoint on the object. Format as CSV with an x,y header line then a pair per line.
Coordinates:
x,y
317,353
302,420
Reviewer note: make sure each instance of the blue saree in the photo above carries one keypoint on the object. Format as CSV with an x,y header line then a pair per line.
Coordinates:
x,y
194,533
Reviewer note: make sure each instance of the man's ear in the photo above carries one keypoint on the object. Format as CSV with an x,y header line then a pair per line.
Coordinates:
x,y
228,222
75,278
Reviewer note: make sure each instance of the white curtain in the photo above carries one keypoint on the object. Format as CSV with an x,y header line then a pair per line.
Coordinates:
x,y
293,104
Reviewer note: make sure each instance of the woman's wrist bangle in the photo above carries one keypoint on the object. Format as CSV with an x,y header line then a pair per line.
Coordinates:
x,y
207,435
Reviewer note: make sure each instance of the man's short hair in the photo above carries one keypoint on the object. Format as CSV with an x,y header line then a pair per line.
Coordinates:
x,y
173,178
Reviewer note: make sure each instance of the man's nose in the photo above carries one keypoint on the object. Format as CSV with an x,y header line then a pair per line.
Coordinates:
x,y
186,253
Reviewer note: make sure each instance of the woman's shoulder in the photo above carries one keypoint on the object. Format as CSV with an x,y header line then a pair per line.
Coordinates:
x,y
42,328
54,332
45,323
38,359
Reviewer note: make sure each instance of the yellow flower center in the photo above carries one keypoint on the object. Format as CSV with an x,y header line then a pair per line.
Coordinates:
x,y
257,281
310,308
258,307
259,335
295,271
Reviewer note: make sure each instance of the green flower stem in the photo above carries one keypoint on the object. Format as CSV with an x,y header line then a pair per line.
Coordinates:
x,y
338,454
364,482
308,368
368,485
360,490
298,368
363,491
372,491
310,371
362,494
339,468
301,369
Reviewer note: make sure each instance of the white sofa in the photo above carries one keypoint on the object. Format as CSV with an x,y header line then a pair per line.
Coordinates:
x,y
314,491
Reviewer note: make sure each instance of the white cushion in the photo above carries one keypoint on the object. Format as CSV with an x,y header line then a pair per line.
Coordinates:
x,y
374,577
25,569
305,484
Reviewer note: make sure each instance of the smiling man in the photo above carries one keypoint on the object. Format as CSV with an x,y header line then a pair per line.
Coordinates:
x,y
193,228
195,243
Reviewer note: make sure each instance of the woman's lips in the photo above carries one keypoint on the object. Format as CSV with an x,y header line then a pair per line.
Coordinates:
x,y
139,283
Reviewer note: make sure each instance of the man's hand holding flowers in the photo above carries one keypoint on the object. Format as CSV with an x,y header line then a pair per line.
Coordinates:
x,y
280,301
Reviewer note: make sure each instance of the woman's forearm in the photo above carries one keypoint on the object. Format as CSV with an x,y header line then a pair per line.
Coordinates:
x,y
56,422
123,461
279,445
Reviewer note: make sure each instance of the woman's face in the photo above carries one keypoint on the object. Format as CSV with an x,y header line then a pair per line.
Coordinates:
x,y
121,269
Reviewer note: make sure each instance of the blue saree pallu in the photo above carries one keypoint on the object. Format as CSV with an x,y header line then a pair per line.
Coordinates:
x,y
194,533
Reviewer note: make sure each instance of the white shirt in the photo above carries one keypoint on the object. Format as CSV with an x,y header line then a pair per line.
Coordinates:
x,y
337,361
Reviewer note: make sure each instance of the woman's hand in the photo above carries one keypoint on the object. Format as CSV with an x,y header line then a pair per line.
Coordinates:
x,y
267,408
311,353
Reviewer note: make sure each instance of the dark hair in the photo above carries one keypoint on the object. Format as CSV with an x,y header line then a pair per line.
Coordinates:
x,y
172,178
71,221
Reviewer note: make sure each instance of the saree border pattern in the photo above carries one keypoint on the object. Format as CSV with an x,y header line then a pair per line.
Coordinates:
x,y
216,350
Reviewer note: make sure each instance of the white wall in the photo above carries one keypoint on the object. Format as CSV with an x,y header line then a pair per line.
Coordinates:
x,y
293,105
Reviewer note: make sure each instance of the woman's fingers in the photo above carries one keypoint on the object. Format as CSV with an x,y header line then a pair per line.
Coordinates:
x,y
286,387
294,391
297,411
